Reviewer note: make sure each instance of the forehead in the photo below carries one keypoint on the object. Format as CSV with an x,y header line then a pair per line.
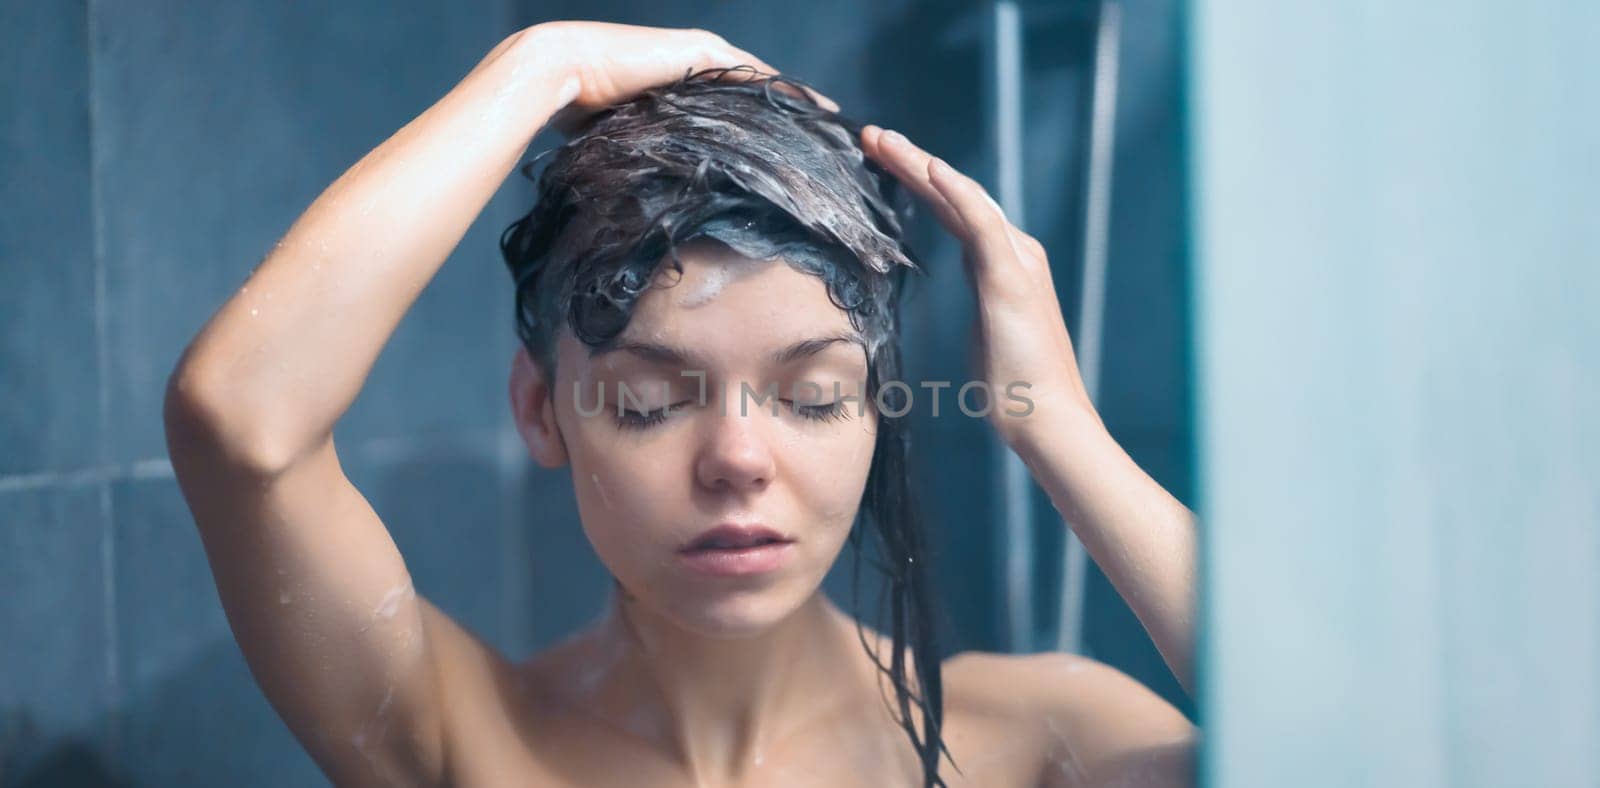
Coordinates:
x,y
734,309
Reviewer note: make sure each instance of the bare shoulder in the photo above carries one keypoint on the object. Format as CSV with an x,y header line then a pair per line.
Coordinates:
x,y
1098,726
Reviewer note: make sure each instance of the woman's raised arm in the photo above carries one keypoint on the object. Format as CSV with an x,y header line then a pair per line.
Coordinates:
x,y
1106,728
1140,535
317,595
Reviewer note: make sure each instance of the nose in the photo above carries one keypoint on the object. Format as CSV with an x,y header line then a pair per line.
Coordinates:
x,y
736,455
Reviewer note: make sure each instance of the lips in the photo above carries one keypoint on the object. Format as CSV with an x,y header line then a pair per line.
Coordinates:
x,y
729,536
737,551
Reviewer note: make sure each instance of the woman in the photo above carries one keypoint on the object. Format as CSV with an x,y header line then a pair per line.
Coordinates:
x,y
719,662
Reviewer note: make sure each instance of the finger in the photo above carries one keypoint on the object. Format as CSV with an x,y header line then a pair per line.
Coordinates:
x,y
1031,257
1025,242
874,140
743,57
743,67
715,52
810,94
909,165
987,228
740,57
827,103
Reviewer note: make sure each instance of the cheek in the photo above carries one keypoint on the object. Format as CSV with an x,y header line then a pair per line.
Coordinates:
x,y
620,523
610,472
621,492
831,474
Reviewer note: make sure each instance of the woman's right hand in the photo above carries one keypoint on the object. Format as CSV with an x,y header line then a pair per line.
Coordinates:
x,y
608,63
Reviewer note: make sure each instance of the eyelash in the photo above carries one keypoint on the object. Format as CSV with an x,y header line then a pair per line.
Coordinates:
x,y
833,411
642,420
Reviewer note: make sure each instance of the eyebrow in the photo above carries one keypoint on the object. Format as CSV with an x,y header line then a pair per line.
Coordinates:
x,y
673,354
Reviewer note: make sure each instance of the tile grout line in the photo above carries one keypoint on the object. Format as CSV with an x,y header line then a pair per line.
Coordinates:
x,y
509,584
149,468
107,513
385,449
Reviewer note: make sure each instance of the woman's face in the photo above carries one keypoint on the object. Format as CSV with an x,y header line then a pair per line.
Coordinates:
x,y
709,347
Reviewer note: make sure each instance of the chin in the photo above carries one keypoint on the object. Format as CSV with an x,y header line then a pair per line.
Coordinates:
x,y
732,611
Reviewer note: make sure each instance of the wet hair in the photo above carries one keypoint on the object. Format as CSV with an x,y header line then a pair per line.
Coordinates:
x,y
736,158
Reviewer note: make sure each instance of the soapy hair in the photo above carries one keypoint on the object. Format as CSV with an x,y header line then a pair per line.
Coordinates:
x,y
730,155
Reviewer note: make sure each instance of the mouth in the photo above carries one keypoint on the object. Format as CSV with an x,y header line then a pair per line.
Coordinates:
x,y
734,537
736,550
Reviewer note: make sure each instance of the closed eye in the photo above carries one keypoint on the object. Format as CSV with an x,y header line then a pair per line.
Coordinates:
x,y
832,411
639,420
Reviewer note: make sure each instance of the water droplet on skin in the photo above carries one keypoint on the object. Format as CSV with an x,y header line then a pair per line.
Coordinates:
x,y
252,312
604,498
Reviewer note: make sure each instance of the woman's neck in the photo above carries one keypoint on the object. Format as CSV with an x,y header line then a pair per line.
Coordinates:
x,y
716,704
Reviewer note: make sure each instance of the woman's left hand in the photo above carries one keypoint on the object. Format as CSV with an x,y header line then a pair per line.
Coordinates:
x,y
1021,338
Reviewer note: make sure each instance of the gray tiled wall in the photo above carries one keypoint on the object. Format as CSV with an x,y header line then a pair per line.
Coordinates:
x,y
153,153
157,155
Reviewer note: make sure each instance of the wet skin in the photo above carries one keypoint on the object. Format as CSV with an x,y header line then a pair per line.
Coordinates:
x,y
757,681
687,681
